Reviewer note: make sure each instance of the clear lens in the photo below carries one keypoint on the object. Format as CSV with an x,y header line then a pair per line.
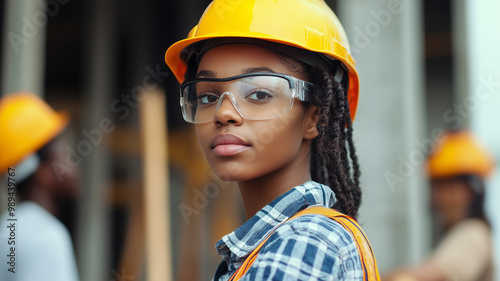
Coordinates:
x,y
255,96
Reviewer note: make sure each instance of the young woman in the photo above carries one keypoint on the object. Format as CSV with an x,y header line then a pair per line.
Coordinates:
x,y
272,89
457,168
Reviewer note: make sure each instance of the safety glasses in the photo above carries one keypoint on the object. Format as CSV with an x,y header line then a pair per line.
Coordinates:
x,y
256,96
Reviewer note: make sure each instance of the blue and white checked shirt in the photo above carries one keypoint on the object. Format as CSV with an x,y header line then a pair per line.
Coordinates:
x,y
312,247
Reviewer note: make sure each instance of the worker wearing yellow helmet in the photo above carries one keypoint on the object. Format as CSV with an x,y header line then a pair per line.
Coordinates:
x,y
35,245
272,89
457,168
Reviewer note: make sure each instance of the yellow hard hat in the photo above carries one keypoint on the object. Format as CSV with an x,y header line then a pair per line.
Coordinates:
x,y
459,153
309,25
26,124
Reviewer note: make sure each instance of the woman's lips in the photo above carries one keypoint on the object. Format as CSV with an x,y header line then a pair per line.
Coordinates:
x,y
228,144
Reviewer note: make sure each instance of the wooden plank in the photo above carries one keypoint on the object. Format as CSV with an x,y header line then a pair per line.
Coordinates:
x,y
156,190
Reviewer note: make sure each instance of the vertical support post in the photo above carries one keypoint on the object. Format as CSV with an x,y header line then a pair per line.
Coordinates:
x,y
23,50
386,41
93,213
460,54
412,90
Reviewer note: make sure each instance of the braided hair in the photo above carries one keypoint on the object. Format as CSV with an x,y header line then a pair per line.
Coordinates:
x,y
334,146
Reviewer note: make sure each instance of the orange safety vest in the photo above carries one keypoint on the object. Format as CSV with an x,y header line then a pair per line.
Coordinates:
x,y
368,261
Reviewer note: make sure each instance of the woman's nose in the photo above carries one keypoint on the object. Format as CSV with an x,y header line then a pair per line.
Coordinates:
x,y
226,112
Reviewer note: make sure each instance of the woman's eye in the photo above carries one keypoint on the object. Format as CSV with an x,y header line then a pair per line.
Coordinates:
x,y
207,98
259,95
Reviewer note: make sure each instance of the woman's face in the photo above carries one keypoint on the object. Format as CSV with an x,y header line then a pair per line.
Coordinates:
x,y
451,199
238,149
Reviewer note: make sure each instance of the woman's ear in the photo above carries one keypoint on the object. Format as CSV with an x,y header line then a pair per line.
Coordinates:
x,y
311,122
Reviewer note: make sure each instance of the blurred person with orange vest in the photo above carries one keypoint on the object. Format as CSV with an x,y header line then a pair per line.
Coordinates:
x,y
457,168
272,88
34,244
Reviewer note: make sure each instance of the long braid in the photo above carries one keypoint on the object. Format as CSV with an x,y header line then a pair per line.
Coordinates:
x,y
354,159
352,154
334,145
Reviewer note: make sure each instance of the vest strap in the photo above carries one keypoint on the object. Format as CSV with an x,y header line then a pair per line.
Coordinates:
x,y
368,261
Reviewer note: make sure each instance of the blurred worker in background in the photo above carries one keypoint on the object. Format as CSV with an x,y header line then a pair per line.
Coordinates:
x,y
30,143
457,168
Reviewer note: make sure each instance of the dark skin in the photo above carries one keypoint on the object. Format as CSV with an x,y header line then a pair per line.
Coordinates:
x,y
451,200
44,187
275,156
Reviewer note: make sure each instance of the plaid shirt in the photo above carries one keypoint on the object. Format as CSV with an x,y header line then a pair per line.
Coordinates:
x,y
312,247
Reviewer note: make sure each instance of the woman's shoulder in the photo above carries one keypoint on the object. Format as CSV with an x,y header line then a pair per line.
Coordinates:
x,y
317,229
474,222
471,227
475,231
465,251
471,236
312,246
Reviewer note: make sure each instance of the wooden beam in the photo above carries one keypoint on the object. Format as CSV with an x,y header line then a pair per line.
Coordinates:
x,y
156,189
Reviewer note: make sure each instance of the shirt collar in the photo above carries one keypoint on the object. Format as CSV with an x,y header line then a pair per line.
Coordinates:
x,y
235,246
